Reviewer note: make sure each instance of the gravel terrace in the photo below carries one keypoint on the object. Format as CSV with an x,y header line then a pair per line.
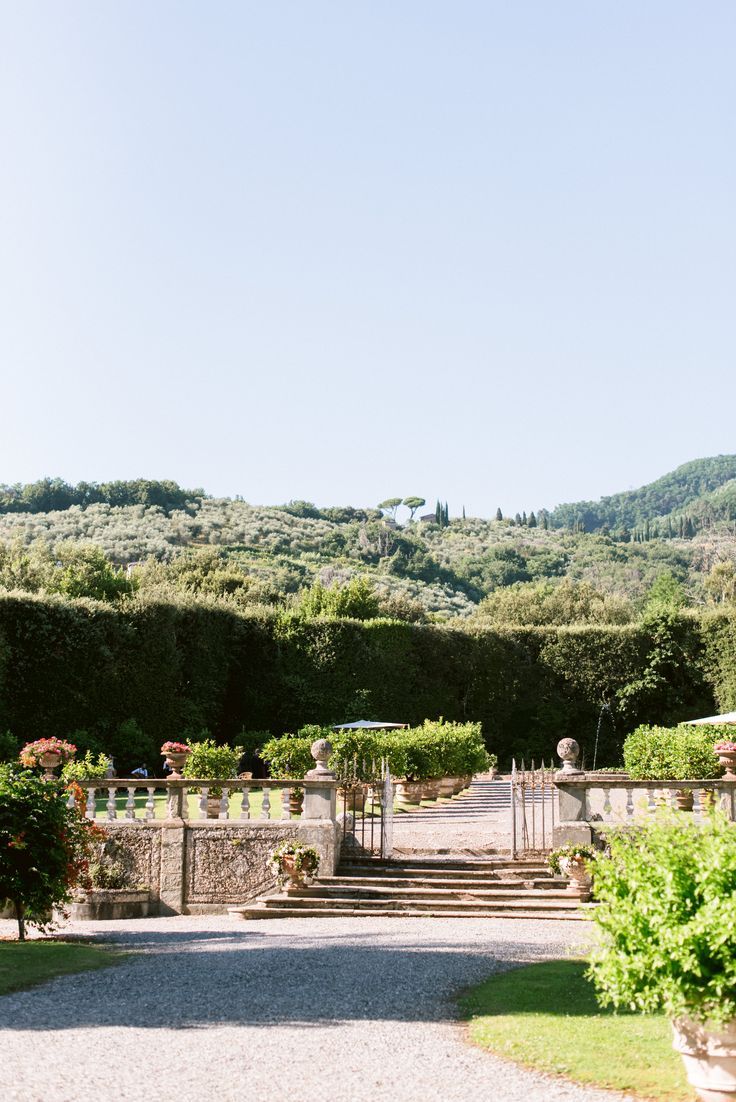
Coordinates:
x,y
309,1009
475,822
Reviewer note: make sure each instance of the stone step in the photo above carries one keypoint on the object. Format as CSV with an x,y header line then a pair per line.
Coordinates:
x,y
432,867
348,883
360,892
420,903
405,872
262,911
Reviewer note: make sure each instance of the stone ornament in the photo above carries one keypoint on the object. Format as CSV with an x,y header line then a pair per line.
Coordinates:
x,y
568,751
321,749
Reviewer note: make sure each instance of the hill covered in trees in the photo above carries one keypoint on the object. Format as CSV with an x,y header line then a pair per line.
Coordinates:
x,y
588,562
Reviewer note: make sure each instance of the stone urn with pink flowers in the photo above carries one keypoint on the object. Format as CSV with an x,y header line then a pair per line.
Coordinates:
x,y
47,754
176,754
726,751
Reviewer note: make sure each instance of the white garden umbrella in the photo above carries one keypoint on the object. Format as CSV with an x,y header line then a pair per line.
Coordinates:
x,y
716,721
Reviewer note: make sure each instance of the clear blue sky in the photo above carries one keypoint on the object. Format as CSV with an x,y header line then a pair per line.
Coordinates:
x,y
342,251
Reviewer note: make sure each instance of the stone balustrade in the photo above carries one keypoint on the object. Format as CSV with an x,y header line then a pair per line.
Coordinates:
x,y
589,803
199,864
123,799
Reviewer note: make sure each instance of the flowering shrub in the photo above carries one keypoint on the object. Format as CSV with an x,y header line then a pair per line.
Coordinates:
x,y
305,858
45,846
175,748
32,752
581,854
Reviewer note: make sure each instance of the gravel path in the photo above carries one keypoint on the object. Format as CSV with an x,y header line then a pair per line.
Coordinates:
x,y
475,822
308,1009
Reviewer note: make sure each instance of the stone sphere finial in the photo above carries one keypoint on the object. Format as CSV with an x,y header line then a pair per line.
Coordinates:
x,y
568,751
321,749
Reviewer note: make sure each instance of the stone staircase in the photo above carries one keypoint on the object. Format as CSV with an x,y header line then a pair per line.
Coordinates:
x,y
438,887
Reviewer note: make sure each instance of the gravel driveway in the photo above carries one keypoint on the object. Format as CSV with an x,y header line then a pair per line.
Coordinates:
x,y
304,1009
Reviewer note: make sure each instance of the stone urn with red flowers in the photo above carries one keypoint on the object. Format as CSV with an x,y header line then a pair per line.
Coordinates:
x,y
726,751
47,754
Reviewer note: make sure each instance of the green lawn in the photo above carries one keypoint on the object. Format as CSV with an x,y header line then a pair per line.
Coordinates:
x,y
24,964
546,1016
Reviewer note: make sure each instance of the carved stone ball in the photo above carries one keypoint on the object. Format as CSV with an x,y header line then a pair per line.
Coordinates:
x,y
568,749
321,749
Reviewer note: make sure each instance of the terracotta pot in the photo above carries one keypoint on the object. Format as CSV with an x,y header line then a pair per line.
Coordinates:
x,y
297,877
354,799
579,877
727,759
684,799
447,786
430,790
410,792
296,801
213,807
709,1055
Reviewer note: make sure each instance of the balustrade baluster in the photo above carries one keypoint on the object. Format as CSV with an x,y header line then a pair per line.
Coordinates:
x,y
697,805
224,804
203,794
285,798
245,806
266,807
90,810
70,801
150,803
629,803
607,809
112,811
130,804
651,805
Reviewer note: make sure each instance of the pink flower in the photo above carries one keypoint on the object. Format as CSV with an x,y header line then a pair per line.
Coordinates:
x,y
175,748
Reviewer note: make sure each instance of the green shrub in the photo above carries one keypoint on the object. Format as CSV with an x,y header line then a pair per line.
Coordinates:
x,y
667,920
289,757
208,761
91,767
682,753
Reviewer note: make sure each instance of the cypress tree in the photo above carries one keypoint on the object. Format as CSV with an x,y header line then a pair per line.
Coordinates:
x,y
499,514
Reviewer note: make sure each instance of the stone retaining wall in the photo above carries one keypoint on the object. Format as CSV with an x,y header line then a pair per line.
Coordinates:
x,y
208,865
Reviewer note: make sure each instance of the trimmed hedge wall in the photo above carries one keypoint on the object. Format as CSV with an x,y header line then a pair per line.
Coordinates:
x,y
193,664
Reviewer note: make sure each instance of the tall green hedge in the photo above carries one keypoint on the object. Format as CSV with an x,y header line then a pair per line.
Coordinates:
x,y
193,664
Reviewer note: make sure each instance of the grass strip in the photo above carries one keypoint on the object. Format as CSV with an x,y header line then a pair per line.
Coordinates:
x,y
546,1016
26,964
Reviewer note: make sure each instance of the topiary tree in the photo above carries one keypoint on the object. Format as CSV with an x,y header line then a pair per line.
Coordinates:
x,y
45,846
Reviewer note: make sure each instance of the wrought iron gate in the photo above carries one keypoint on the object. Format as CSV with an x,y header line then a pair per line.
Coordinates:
x,y
533,808
367,810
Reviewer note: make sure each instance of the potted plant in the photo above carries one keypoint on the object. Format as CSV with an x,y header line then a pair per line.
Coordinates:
x,y
110,895
667,921
726,751
295,862
176,754
207,761
47,753
573,861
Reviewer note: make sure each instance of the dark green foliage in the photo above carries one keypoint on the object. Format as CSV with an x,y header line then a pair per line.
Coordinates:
x,y
71,666
53,493
670,494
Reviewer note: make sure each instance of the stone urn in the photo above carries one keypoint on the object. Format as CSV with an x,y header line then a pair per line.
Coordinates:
x,y
51,761
213,807
176,760
575,869
727,758
709,1055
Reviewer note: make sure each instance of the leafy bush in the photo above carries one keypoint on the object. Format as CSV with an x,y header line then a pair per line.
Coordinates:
x,y
89,768
208,761
289,757
44,845
681,753
667,919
